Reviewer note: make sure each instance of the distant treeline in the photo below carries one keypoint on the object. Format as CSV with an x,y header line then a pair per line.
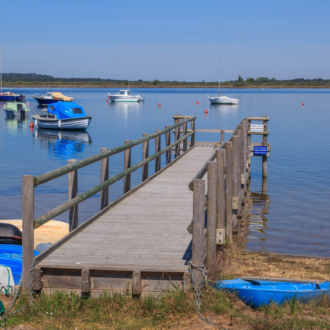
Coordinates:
x,y
34,79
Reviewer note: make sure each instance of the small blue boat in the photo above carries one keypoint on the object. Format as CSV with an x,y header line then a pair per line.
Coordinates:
x,y
256,293
11,256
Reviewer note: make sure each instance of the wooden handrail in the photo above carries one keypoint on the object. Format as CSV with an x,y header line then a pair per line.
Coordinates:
x,y
43,178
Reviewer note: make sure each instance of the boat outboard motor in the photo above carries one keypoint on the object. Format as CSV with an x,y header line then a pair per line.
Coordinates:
x,y
9,234
20,111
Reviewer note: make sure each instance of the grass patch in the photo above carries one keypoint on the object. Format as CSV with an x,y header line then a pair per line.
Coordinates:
x,y
176,309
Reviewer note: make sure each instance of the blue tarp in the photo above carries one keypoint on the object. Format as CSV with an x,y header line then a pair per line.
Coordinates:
x,y
66,110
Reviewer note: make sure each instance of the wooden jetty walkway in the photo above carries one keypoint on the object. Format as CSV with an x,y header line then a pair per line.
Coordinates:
x,y
142,242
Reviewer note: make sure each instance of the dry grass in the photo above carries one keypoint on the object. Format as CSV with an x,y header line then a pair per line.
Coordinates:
x,y
176,310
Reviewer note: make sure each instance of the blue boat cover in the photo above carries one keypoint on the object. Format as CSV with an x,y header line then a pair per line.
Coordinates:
x,y
11,256
66,110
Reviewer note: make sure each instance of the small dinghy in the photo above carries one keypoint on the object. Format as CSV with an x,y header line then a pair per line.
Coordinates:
x,y
256,293
63,115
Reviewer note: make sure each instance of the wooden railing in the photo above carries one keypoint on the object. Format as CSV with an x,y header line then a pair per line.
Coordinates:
x,y
228,176
30,182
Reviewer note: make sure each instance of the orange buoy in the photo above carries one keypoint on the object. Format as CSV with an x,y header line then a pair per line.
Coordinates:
x,y
109,97
159,104
31,124
206,111
303,103
106,101
197,102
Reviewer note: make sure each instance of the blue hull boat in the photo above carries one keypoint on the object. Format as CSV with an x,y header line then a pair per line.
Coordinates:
x,y
5,97
256,293
11,256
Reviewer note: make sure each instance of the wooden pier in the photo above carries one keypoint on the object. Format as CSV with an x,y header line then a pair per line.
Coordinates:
x,y
141,243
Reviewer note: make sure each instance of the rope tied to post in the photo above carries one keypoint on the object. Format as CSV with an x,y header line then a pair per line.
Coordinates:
x,y
198,289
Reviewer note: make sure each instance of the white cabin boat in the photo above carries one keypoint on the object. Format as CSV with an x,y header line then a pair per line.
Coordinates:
x,y
222,100
125,96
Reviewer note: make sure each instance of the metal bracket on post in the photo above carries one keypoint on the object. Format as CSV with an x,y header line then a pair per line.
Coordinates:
x,y
220,236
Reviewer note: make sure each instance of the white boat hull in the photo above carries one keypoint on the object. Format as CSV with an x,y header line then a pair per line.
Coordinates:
x,y
70,124
125,98
223,100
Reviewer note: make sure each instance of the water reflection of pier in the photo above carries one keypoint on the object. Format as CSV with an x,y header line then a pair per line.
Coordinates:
x,y
253,225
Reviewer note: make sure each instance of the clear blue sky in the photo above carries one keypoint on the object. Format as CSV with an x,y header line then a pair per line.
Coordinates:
x,y
167,40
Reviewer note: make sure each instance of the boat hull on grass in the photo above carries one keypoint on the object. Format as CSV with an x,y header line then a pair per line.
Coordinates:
x,y
259,293
69,124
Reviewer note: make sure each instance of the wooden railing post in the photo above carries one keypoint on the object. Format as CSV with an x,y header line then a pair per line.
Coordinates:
x,y
104,194
211,247
198,251
145,154
157,149
28,230
248,145
177,137
229,190
264,158
73,192
192,139
168,142
221,198
127,164
241,164
222,134
236,178
185,140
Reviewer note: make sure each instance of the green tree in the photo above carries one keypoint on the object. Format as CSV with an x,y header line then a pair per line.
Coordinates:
x,y
156,82
240,79
250,80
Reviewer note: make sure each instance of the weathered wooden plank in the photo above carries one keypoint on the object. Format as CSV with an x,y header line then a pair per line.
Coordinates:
x,y
145,154
127,164
85,281
73,193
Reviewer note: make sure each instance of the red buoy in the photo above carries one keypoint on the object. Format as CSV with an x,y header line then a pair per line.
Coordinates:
x,y
159,104
303,103
197,102
109,97
106,101
206,111
31,124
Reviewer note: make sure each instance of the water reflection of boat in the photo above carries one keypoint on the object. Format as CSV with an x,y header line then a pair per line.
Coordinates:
x,y
15,124
63,144
224,108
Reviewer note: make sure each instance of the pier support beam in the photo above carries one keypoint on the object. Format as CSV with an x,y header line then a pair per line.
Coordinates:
x,y
198,237
264,158
28,230
145,154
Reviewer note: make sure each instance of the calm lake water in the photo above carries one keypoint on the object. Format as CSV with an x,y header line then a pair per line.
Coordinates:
x,y
292,216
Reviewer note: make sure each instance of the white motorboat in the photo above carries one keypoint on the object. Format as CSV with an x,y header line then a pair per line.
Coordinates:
x,y
62,115
125,96
222,99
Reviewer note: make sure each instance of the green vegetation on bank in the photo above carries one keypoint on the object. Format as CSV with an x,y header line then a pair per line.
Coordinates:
x,y
35,80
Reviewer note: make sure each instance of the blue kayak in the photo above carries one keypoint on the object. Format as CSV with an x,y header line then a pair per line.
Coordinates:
x,y
257,293
11,256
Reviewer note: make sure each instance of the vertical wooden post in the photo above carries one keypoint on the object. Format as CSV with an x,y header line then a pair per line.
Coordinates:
x,y
264,186
211,251
229,190
157,149
222,133
249,145
127,164
221,161
28,230
264,158
73,192
177,137
192,139
241,163
246,153
168,142
198,252
236,178
145,154
104,194
185,141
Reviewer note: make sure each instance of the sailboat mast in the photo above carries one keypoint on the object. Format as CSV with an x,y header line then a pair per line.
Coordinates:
x,y
1,67
219,72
